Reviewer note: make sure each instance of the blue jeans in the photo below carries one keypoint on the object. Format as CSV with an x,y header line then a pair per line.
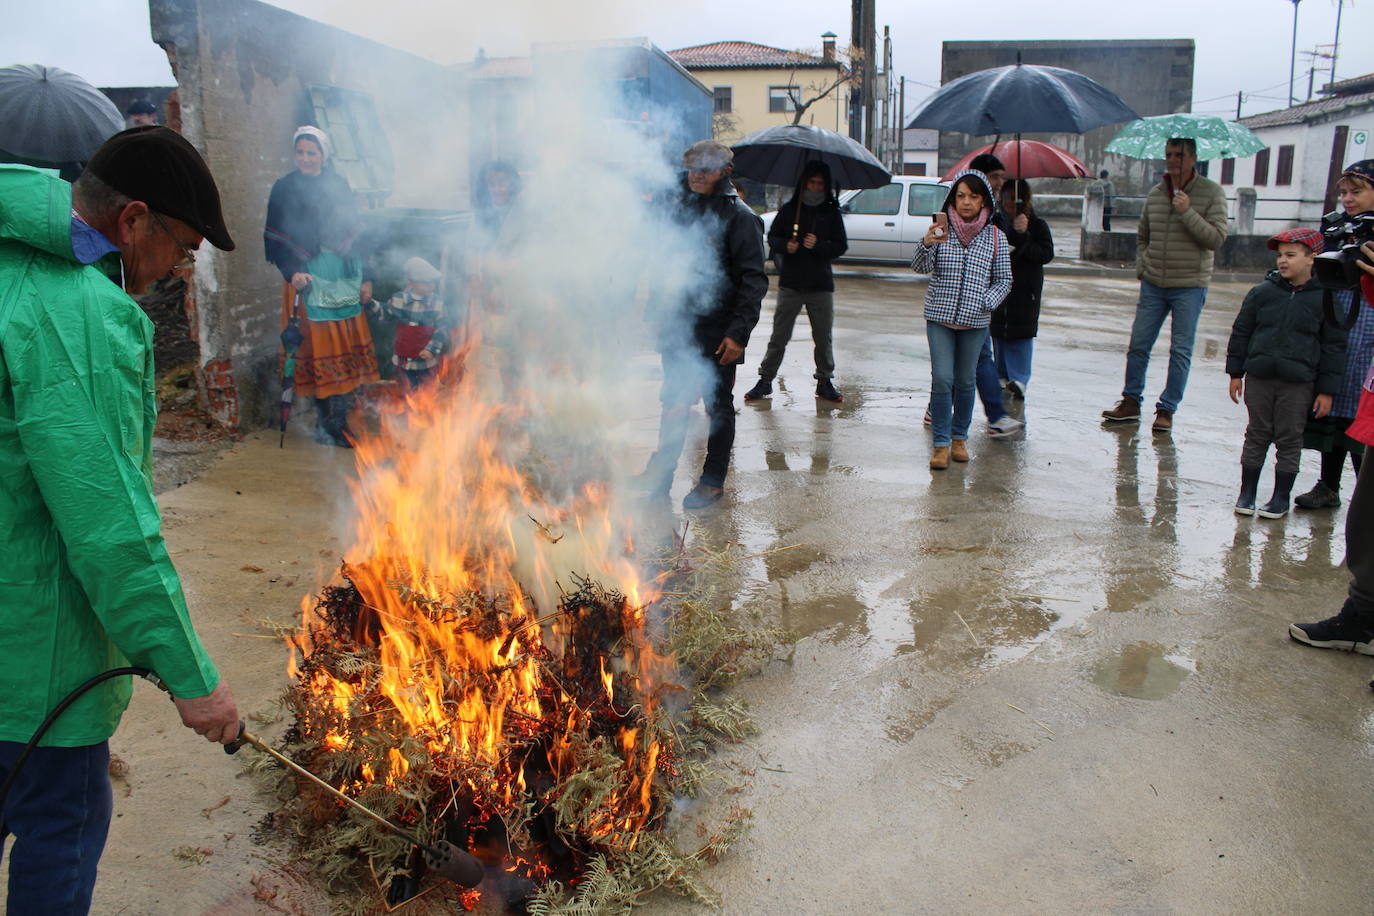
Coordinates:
x,y
989,387
953,379
1156,303
1014,358
58,812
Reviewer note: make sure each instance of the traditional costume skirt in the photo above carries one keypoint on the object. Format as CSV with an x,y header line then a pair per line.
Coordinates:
x,y
335,357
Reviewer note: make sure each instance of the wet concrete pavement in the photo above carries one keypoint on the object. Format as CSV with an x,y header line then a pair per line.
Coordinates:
x,y
1055,679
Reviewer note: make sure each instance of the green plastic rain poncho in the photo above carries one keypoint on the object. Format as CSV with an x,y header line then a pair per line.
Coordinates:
x,y
85,580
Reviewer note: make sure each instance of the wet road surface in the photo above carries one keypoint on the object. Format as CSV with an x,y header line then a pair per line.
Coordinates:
x,y
1055,679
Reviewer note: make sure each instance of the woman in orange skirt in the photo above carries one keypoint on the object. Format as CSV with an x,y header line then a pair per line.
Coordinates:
x,y
312,227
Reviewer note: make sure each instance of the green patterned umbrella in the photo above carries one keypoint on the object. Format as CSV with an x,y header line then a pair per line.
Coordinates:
x,y
1216,138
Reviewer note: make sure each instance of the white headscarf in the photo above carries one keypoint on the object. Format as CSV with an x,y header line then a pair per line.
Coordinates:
x,y
315,134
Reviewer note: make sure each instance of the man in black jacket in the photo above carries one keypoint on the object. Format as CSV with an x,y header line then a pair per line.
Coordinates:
x,y
807,234
702,342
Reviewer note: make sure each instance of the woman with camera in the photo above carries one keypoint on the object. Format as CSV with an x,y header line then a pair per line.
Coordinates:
x,y
1352,630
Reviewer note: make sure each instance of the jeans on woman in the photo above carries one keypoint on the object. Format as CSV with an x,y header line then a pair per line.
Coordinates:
x,y
953,379
1014,358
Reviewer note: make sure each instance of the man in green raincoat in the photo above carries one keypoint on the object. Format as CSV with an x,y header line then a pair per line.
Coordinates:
x,y
85,580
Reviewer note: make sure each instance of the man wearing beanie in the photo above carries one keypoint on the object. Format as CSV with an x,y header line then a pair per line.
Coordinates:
x,y
86,584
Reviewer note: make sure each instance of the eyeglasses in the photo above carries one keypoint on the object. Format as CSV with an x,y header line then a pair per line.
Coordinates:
x,y
188,254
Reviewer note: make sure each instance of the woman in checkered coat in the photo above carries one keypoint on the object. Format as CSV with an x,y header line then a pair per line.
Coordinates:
x,y
967,258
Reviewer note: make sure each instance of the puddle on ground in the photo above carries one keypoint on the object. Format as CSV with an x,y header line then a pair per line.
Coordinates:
x,y
1143,670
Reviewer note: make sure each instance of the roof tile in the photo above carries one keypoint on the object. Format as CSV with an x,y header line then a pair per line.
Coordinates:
x,y
724,55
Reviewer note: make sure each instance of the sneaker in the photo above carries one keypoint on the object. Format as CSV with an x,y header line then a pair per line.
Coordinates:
x,y
702,495
958,450
1126,409
1017,389
926,419
826,391
1319,497
939,457
1344,632
764,389
1164,421
1006,426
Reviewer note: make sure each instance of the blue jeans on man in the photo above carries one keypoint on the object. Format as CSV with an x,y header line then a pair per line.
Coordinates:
x,y
1183,306
953,379
55,818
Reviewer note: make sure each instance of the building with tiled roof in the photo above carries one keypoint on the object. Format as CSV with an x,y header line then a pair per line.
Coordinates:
x,y
1306,146
756,86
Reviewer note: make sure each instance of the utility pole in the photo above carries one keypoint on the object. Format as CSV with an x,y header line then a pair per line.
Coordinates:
x,y
901,127
1293,54
1239,98
885,138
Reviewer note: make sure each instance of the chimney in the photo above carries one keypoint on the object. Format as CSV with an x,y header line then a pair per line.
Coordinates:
x,y
828,46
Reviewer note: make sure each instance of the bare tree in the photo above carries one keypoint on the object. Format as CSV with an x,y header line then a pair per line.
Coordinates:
x,y
803,97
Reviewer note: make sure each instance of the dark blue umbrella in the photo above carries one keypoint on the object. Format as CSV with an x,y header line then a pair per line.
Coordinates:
x,y
51,115
1022,98
777,155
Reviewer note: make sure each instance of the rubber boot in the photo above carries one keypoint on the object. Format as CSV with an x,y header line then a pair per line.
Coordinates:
x,y
1277,507
1249,486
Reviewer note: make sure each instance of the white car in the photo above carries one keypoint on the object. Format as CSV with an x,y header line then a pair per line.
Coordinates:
x,y
887,223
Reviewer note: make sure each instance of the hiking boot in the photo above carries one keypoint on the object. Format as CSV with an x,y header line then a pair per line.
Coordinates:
x,y
826,391
1347,631
1006,426
1319,497
1126,409
1164,421
958,450
939,458
1277,507
1016,389
702,495
1249,486
764,389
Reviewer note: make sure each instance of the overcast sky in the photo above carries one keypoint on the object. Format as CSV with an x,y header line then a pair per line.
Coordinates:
x,y
1241,44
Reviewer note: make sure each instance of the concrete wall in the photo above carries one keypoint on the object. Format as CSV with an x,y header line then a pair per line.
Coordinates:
x,y
1239,253
1152,76
244,70
750,99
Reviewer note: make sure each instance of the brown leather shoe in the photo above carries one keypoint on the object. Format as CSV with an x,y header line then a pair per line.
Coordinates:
x,y
1126,409
939,458
1164,421
958,450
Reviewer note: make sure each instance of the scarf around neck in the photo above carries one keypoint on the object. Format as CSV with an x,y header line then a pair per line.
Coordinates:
x,y
967,230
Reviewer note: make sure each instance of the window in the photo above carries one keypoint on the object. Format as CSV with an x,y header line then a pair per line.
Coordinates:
x,y
723,100
360,151
1283,174
915,168
780,98
884,201
926,199
1262,167
1228,171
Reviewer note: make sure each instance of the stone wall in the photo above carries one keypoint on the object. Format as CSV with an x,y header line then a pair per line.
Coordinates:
x,y
1239,253
244,72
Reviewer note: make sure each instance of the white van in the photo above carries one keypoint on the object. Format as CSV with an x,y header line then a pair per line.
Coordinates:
x,y
887,223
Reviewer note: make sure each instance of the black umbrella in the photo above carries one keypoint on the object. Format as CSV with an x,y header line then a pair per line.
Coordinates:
x,y
1022,98
51,115
777,155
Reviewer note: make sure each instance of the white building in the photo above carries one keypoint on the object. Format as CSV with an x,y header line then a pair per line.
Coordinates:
x,y
1306,147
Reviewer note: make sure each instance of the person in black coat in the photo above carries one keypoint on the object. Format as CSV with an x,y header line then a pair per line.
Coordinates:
x,y
806,235
702,342
1017,320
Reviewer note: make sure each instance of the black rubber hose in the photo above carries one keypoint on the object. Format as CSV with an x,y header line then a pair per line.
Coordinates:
x,y
67,701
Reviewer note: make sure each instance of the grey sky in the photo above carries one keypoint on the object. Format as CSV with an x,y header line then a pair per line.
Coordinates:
x,y
1241,44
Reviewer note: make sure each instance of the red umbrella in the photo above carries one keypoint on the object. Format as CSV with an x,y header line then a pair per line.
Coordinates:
x,y
1027,159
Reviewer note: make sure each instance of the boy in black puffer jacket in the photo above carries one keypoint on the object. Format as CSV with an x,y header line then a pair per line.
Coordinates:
x,y
1284,348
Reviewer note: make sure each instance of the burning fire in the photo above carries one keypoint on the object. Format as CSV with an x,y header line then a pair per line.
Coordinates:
x,y
494,657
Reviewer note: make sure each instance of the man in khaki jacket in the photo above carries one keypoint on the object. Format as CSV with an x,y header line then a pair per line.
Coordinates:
x,y
1181,226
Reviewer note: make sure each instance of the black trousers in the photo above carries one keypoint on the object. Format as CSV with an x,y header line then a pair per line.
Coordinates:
x,y
687,378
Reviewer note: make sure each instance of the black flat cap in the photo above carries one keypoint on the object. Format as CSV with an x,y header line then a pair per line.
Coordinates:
x,y
159,167
141,106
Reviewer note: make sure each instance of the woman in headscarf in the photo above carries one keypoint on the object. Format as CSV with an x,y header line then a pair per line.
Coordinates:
x,y
967,258
311,234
